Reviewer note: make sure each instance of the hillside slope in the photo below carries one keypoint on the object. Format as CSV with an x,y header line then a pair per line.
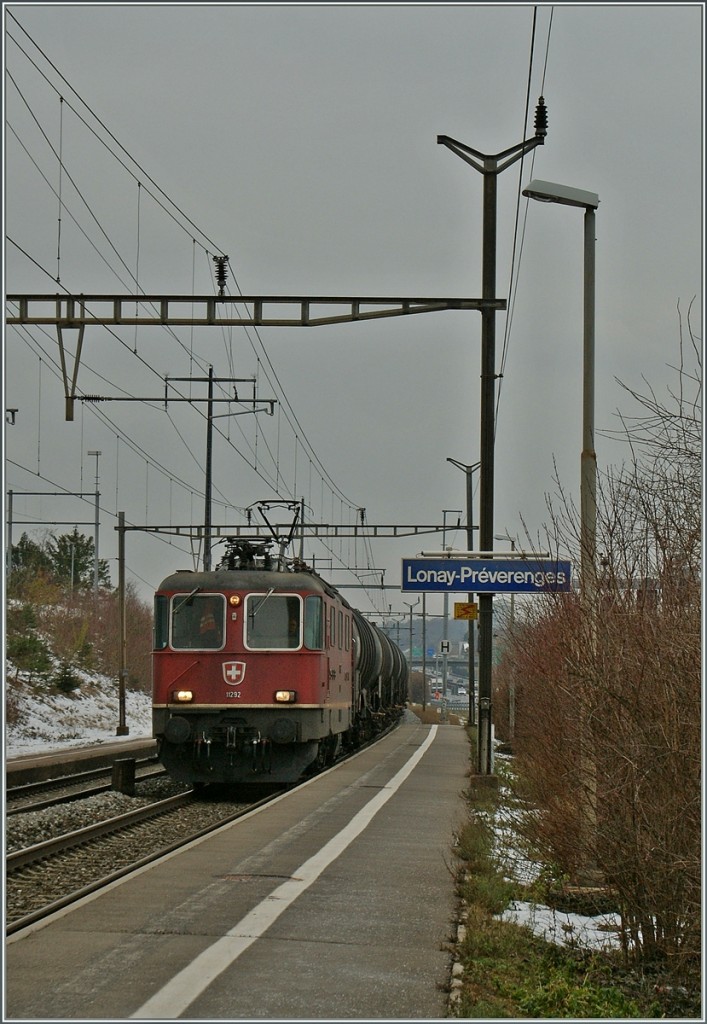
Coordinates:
x,y
38,719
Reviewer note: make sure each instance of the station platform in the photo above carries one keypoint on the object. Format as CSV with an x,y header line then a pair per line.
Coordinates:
x,y
335,901
55,764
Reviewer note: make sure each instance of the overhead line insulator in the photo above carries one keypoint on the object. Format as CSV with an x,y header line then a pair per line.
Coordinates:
x,y
221,272
541,118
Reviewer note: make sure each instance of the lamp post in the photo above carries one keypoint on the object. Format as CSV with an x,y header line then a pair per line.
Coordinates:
x,y
549,192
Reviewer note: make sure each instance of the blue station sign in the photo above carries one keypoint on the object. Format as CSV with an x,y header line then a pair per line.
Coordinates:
x,y
486,575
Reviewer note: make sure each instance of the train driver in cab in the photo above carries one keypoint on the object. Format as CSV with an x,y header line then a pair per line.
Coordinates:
x,y
210,624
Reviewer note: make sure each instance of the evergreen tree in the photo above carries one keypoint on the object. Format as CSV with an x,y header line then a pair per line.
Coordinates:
x,y
72,560
29,653
29,556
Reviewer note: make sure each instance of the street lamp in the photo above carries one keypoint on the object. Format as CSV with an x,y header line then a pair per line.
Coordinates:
x,y
549,192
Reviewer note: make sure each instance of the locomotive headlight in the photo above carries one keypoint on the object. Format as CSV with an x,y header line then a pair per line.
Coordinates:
x,y
234,600
182,696
285,696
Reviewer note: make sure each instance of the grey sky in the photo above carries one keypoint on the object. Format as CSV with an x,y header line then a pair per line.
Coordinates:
x,y
301,141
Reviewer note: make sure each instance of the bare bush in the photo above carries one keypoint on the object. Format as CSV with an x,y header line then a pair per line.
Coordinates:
x,y
608,729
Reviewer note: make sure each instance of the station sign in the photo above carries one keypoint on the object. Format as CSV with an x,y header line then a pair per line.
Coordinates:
x,y
486,575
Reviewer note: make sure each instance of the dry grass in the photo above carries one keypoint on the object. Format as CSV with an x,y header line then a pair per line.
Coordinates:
x,y
432,716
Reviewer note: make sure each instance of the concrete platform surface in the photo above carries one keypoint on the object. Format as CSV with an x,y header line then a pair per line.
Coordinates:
x,y
55,764
337,901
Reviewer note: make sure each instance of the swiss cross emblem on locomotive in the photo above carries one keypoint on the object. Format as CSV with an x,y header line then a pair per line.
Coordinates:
x,y
233,672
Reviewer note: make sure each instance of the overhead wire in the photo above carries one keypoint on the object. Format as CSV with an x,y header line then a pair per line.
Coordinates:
x,y
152,369
134,446
30,340
322,469
54,368
59,487
105,129
265,363
93,114
518,246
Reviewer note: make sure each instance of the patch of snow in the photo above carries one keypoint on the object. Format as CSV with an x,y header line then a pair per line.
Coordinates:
x,y
600,932
47,720
564,929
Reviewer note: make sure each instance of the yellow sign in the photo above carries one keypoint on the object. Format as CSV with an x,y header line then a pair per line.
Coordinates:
x,y
465,611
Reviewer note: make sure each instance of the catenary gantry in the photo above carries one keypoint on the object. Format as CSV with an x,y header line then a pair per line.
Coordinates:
x,y
312,530
231,310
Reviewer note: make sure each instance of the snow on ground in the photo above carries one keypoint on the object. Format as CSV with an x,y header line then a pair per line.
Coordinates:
x,y
565,929
47,720
561,927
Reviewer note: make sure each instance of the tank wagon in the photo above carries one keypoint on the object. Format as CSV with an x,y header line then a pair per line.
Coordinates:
x,y
263,672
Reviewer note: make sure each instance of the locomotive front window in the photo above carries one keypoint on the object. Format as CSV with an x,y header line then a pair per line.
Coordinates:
x,y
273,622
313,622
160,631
198,621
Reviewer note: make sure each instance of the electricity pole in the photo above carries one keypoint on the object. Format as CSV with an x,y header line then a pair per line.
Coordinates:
x,y
445,628
490,166
468,471
411,606
266,405
97,455
210,417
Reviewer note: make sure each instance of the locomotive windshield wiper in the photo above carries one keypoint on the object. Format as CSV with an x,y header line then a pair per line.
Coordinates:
x,y
256,609
186,600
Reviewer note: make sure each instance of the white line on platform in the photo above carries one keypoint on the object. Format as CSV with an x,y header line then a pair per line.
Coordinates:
x,y
174,997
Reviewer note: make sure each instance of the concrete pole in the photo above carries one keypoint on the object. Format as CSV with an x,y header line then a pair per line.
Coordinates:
x,y
588,481
468,471
9,532
470,597
490,167
486,475
411,606
588,526
122,729
207,487
445,630
96,527
424,651
511,683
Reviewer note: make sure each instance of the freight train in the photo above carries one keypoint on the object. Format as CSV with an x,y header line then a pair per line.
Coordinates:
x,y
263,672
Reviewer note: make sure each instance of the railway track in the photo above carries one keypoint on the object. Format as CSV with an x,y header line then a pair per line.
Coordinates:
x,y
35,796
51,875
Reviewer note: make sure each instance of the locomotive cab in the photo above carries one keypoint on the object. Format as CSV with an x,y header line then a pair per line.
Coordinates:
x,y
257,674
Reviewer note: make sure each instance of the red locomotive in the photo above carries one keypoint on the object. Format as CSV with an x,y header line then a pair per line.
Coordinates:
x,y
262,671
